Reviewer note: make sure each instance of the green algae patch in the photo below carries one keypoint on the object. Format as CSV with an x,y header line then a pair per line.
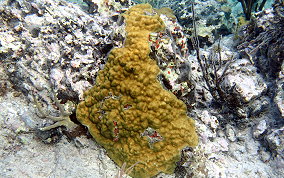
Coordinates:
x,y
128,112
166,11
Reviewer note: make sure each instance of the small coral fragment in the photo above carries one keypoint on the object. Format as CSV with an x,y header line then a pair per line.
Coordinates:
x,y
62,120
129,113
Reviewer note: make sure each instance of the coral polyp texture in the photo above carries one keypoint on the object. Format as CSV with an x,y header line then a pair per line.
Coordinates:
x,y
128,112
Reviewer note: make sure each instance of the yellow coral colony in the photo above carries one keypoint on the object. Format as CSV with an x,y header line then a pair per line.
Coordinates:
x,y
128,112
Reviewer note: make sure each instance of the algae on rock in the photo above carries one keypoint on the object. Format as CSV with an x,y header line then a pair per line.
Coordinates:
x,y
128,112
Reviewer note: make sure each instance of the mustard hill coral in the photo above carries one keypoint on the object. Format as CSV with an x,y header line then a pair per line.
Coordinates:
x,y
128,112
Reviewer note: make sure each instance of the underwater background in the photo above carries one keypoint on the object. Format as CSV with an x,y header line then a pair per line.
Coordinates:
x,y
117,88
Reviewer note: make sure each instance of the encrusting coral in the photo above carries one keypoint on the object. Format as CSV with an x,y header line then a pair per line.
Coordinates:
x,y
128,112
